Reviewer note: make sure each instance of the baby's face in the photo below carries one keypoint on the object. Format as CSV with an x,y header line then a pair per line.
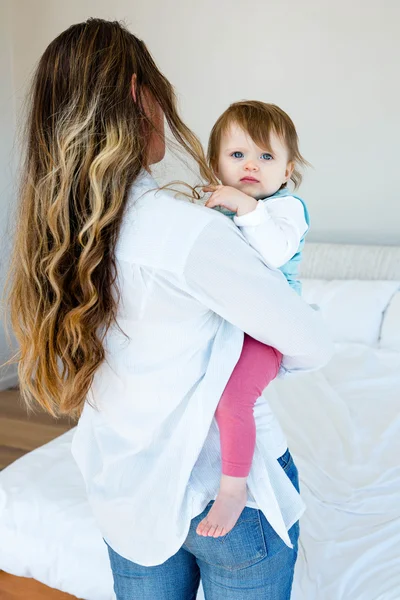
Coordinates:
x,y
251,169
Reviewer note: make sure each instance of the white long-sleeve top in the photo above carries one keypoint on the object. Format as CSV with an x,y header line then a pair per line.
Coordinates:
x,y
147,443
274,228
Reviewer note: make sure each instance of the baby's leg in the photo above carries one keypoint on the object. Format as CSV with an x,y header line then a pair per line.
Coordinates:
x,y
257,366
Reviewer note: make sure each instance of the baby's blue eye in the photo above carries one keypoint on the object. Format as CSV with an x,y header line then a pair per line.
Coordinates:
x,y
266,156
235,154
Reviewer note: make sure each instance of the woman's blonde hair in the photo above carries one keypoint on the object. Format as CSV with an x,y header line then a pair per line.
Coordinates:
x,y
259,120
86,144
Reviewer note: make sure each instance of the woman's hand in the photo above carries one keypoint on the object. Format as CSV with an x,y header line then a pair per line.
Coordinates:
x,y
230,198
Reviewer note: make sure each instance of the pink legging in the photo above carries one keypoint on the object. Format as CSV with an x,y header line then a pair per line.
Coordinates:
x,y
257,366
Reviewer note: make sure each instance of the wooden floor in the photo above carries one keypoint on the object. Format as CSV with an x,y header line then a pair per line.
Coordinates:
x,y
19,434
21,588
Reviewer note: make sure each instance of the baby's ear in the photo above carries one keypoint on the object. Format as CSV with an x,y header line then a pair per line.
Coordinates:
x,y
289,170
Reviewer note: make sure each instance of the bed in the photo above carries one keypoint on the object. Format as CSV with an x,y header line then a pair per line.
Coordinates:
x,y
343,428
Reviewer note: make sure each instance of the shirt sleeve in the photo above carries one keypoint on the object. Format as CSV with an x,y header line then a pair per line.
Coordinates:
x,y
231,278
274,229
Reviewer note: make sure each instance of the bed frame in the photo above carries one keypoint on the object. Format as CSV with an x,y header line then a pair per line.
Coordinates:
x,y
347,261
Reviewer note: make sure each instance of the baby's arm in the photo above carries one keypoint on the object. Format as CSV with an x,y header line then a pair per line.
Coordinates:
x,y
274,229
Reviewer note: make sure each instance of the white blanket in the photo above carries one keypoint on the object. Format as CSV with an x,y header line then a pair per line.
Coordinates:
x,y
343,427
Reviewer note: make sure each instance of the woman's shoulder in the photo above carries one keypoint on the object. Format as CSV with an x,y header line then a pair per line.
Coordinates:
x,y
169,207
156,218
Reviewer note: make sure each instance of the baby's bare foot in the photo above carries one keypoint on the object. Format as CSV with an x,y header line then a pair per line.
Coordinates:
x,y
226,510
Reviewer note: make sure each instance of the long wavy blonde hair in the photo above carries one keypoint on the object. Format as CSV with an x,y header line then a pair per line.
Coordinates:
x,y
86,144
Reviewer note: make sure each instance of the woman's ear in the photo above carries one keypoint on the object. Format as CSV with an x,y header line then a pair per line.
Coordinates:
x,y
133,86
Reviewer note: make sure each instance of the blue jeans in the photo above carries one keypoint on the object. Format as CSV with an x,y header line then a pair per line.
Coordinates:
x,y
250,562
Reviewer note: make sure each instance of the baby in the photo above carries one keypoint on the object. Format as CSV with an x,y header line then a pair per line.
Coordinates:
x,y
253,150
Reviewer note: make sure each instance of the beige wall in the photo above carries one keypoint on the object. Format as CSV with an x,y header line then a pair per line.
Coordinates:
x,y
7,161
332,65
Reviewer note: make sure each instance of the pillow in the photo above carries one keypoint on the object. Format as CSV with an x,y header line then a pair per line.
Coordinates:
x,y
353,309
390,332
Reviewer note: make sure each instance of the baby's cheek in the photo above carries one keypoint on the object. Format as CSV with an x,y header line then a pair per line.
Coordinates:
x,y
229,179
226,171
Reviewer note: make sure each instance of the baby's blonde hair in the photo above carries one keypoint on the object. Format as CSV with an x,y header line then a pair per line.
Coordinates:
x,y
258,119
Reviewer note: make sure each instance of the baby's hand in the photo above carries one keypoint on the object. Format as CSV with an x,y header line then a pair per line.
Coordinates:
x,y
230,198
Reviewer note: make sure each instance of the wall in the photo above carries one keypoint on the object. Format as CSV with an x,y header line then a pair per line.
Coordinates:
x,y
333,66
7,168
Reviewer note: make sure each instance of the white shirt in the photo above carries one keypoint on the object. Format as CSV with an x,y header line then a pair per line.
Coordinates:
x,y
149,451
274,228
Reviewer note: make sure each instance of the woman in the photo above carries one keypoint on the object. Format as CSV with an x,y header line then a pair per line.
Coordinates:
x,y
129,306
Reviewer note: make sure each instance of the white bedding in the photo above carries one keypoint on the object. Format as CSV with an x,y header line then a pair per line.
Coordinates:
x,y
46,528
347,450
343,428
